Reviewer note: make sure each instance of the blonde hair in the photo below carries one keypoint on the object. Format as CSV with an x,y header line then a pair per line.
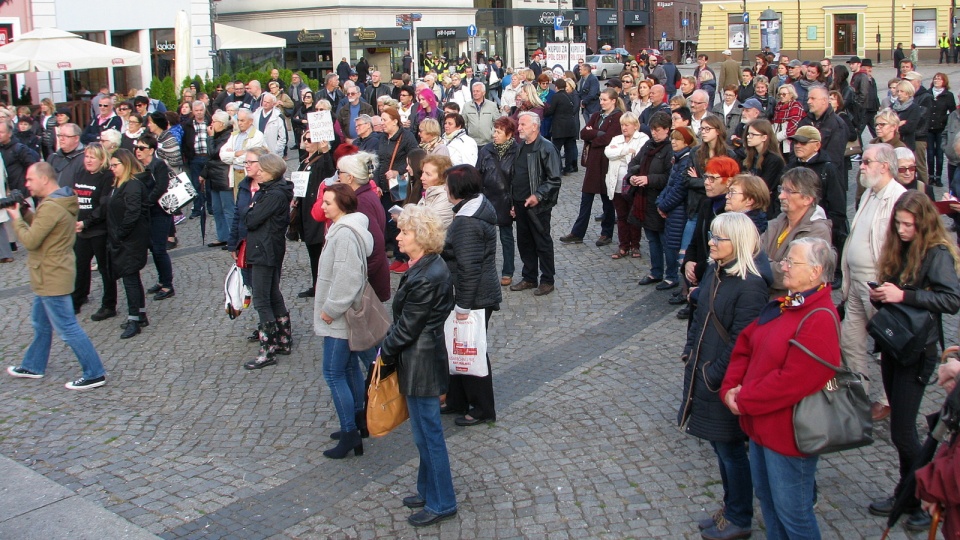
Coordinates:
x,y
442,164
426,226
745,239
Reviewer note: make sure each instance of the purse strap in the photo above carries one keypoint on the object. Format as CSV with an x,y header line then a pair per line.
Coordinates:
x,y
712,315
395,148
810,353
366,278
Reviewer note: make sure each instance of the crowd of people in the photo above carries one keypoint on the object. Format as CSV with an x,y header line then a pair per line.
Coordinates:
x,y
743,204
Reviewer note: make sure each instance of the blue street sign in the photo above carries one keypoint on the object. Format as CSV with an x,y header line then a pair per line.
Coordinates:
x,y
685,22
663,35
406,27
472,30
746,17
558,23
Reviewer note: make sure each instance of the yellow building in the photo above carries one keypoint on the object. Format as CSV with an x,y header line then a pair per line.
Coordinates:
x,y
818,28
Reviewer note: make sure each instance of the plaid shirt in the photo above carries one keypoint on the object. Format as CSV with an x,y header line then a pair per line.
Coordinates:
x,y
200,142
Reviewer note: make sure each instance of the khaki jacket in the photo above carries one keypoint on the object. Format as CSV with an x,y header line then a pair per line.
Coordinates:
x,y
49,235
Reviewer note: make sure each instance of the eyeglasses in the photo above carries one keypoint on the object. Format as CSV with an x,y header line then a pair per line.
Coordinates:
x,y
730,194
705,129
868,162
103,106
141,147
353,93
904,170
123,109
131,121
752,134
713,177
781,189
62,136
699,102
714,239
881,124
788,264
115,165
250,161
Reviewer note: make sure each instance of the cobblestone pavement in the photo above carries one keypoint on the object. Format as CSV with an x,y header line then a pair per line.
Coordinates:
x,y
186,444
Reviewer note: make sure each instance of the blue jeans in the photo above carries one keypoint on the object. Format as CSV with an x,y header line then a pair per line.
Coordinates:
x,y
223,207
51,313
688,231
365,360
785,487
341,370
583,218
159,230
508,246
661,266
434,480
737,484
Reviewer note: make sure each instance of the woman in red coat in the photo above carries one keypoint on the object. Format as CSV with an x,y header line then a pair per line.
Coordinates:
x,y
767,376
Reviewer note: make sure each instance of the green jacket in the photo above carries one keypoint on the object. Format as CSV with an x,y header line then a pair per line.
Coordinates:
x,y
49,235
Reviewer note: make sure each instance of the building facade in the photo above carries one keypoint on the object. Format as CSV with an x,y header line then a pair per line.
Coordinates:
x,y
148,28
813,29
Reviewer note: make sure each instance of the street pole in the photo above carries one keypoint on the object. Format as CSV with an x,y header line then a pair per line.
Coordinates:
x,y
213,38
746,33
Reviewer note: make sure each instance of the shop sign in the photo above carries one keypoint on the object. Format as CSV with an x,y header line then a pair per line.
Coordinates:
x,y
306,36
446,33
548,17
166,46
663,5
364,35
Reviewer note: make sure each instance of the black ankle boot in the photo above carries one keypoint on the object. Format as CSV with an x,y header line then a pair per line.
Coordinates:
x,y
348,441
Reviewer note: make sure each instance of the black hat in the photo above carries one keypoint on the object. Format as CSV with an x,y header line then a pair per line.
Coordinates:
x,y
64,110
854,60
614,82
866,63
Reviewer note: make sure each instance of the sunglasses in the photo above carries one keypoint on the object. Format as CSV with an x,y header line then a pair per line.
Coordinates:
x,y
904,170
139,147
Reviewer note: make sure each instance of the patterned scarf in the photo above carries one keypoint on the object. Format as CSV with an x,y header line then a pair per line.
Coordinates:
x,y
789,301
502,149
429,146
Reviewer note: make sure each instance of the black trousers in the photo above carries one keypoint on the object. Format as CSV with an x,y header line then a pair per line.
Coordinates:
x,y
905,392
85,250
534,243
474,394
314,250
267,299
133,288
569,147
390,230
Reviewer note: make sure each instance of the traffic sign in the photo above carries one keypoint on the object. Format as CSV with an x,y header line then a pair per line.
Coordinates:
x,y
472,30
746,17
684,22
558,23
406,27
663,35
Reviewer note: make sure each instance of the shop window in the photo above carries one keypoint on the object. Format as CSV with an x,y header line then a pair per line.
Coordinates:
x,y
580,4
925,27
606,4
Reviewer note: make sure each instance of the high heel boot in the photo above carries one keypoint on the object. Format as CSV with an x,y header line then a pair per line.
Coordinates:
x,y
348,441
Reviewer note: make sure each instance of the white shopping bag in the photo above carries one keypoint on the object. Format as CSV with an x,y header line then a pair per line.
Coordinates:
x,y
467,344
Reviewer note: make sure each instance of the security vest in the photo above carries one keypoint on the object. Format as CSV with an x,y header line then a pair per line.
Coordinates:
x,y
944,42
956,41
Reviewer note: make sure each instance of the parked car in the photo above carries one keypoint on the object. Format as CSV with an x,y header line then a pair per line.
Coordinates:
x,y
605,65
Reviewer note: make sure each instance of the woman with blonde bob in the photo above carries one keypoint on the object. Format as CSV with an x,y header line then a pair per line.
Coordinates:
x,y
415,344
430,140
732,293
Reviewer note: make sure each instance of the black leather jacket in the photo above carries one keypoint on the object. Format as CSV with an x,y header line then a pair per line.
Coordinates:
x,y
543,166
470,250
415,341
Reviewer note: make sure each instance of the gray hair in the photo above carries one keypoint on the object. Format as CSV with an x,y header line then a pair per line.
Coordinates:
x,y
700,94
884,153
273,165
243,113
232,106
199,104
790,90
74,129
745,240
805,181
221,116
905,153
329,77
820,253
532,115
112,135
365,118
270,97
256,84
360,166
478,83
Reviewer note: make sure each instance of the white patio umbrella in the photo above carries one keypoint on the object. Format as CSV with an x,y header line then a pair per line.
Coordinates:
x,y
50,49
12,63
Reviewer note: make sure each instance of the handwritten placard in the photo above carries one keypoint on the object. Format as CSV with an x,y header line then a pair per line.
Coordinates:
x,y
300,180
321,126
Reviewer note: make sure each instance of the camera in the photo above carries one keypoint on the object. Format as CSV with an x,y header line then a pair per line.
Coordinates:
x,y
15,197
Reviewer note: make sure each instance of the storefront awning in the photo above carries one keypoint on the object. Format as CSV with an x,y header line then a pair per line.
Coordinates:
x,y
231,37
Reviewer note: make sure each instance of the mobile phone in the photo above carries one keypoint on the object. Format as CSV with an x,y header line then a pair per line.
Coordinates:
x,y
873,284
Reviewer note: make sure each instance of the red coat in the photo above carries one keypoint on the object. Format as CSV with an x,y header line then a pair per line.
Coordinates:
x,y
775,375
594,179
939,481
